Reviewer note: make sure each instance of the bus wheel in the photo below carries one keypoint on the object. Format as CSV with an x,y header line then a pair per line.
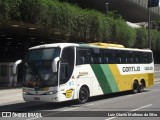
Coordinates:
x,y
83,95
135,87
141,87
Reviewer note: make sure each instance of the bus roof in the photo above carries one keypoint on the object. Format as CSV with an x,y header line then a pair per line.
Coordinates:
x,y
92,45
106,45
112,46
61,45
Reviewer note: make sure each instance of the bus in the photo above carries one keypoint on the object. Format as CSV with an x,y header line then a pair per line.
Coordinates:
x,y
68,71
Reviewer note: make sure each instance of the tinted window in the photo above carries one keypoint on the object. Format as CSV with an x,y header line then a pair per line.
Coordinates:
x,y
43,54
111,56
66,64
83,55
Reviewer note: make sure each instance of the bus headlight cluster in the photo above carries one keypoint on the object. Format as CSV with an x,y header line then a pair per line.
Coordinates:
x,y
25,93
51,92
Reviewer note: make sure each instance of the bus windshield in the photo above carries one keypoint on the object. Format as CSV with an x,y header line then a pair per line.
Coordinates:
x,y
43,54
38,68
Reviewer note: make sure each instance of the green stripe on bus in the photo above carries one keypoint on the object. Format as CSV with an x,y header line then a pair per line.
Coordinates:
x,y
105,78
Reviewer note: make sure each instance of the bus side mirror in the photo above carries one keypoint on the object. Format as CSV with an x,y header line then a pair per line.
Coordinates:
x,y
54,64
15,66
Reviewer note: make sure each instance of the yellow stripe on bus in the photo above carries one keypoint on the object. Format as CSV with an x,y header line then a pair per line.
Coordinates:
x,y
125,82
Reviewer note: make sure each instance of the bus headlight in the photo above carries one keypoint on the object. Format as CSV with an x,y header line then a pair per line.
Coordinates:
x,y
51,92
25,93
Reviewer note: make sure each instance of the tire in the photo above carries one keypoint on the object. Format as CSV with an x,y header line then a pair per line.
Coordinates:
x,y
141,88
83,95
135,88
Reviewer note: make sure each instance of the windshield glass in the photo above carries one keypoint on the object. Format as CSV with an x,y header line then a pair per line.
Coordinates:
x,y
38,68
43,54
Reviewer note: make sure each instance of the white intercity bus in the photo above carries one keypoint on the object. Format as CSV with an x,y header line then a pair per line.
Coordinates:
x,y
68,71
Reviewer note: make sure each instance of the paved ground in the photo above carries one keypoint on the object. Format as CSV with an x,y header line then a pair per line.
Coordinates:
x,y
10,95
146,101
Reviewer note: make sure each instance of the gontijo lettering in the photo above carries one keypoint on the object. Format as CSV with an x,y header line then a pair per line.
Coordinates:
x,y
131,69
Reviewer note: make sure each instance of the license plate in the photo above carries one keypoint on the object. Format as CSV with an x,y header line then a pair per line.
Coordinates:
x,y
36,98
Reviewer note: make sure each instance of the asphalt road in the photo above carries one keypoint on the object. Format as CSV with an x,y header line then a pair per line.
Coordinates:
x,y
120,104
